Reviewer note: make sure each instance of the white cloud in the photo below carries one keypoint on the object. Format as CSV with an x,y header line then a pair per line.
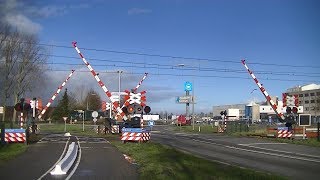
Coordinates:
x,y
134,11
22,23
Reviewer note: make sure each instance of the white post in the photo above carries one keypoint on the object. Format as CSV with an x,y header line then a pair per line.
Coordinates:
x,y
65,123
193,105
304,132
83,122
110,110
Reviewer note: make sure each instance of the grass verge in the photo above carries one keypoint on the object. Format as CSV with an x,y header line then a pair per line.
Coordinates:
x,y
10,151
161,162
204,129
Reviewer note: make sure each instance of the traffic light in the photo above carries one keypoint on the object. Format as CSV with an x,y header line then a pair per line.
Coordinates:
x,y
288,110
138,109
125,110
147,109
130,109
295,110
18,107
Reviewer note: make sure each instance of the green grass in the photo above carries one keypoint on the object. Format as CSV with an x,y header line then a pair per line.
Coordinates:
x,y
161,162
204,129
10,151
73,129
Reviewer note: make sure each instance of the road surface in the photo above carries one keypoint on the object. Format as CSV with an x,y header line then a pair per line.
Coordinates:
x,y
97,159
293,161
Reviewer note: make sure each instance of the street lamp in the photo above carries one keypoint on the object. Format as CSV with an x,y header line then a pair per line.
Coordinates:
x,y
92,94
119,71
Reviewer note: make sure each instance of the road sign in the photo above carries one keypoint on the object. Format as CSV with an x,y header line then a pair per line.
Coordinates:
x,y
1,110
184,99
95,120
114,98
94,114
188,86
151,123
304,119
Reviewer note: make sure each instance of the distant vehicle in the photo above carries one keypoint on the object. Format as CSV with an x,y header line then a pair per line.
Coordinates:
x,y
182,120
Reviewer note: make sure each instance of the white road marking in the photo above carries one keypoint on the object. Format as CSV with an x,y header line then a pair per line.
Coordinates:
x,y
63,152
261,143
259,152
301,154
77,163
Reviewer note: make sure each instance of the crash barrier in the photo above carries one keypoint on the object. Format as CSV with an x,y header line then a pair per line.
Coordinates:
x,y
284,132
135,134
64,165
102,129
115,129
13,135
295,133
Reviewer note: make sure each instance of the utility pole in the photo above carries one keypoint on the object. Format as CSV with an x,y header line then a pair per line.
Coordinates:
x,y
119,71
193,106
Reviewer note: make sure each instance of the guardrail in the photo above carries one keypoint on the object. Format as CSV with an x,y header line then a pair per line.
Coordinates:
x,y
64,165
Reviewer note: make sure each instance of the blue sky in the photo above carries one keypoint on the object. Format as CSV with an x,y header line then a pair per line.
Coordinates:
x,y
281,33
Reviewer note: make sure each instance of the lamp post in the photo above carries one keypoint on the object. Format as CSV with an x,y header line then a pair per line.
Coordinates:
x,y
92,94
119,72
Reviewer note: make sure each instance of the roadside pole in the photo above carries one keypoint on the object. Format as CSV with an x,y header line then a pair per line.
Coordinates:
x,y
318,131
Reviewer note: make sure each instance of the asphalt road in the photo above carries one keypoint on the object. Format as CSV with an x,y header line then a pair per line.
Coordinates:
x,y
293,161
97,159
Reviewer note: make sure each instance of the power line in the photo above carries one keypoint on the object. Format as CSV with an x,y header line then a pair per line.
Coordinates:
x,y
190,75
170,56
192,68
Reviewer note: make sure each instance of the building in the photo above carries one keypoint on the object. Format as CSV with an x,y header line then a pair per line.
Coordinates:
x,y
218,109
309,98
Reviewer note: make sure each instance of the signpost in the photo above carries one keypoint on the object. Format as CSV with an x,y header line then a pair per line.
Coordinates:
x,y
185,99
94,115
188,86
65,123
304,120
151,124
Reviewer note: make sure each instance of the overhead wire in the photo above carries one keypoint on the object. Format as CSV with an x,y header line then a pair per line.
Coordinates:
x,y
173,57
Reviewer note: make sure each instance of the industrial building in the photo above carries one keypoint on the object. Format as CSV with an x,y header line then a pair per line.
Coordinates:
x,y
309,103
309,98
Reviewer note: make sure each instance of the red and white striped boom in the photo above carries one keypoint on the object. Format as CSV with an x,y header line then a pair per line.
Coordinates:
x,y
139,84
104,88
55,95
265,93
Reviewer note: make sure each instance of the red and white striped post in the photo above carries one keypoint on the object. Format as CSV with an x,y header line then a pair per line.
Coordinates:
x,y
264,92
104,88
21,120
55,95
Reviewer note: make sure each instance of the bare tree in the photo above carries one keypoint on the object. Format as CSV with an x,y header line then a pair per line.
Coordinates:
x,y
22,62
9,56
29,68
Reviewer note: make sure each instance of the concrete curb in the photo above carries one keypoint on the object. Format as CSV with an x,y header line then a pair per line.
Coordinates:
x,y
64,165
